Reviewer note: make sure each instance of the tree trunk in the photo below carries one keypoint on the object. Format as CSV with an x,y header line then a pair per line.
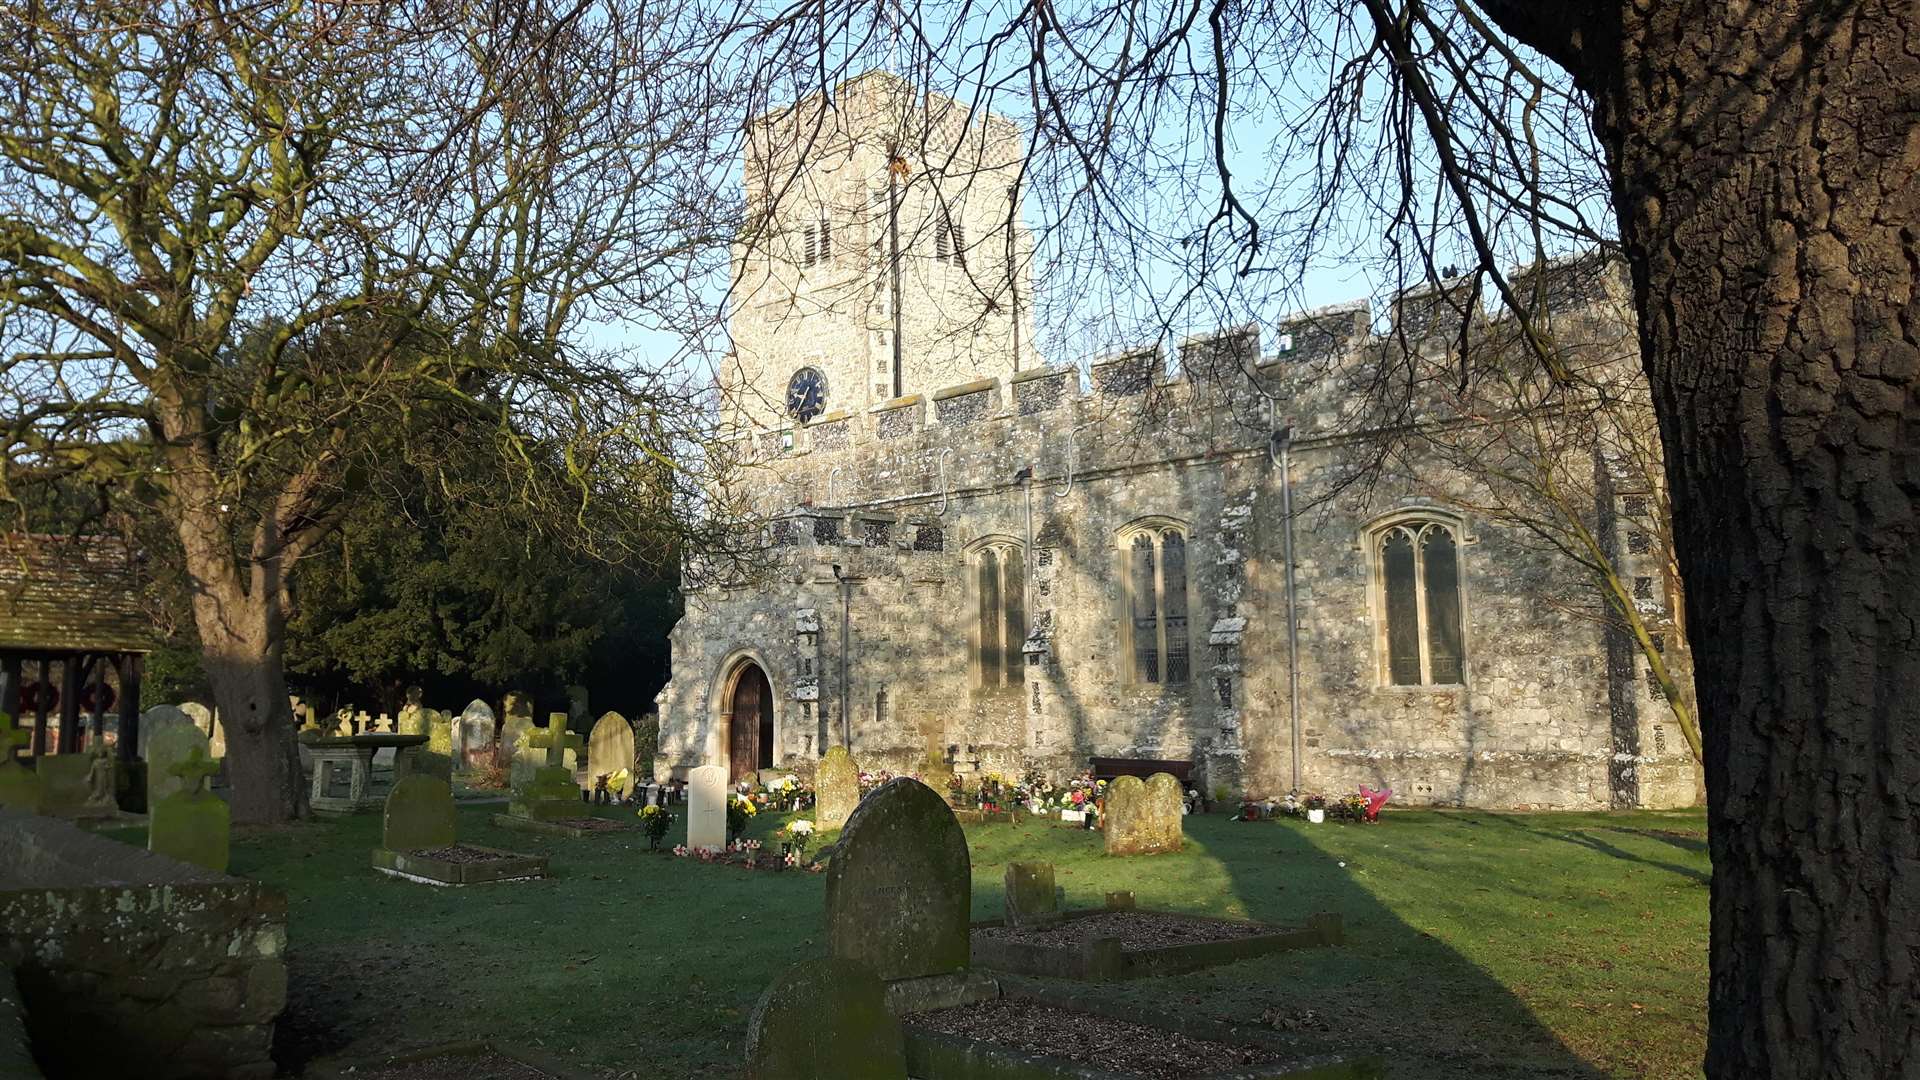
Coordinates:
x,y
242,636
1763,158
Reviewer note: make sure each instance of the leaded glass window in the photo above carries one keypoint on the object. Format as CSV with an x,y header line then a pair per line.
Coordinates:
x,y
1156,602
1418,572
1000,590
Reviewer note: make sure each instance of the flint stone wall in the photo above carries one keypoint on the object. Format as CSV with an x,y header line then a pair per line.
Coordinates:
x,y
1541,721
133,964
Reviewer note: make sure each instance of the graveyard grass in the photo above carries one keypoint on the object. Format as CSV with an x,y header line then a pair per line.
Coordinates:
x,y
1479,945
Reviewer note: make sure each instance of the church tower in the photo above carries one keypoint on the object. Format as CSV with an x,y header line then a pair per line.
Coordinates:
x,y
884,255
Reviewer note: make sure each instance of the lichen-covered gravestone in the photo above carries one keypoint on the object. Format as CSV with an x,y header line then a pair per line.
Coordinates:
x,y
707,808
825,1019
836,789
158,719
900,886
516,723
170,746
549,792
19,785
191,823
1143,818
209,726
413,715
419,814
610,750
1031,897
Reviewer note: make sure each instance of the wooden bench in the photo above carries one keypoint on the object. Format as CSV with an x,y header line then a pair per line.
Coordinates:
x,y
1110,768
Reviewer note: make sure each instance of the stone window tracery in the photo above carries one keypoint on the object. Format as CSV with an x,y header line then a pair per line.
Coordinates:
x,y
1000,623
1155,561
1417,576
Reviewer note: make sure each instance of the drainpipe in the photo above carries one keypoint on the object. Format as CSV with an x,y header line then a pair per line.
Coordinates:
x,y
1281,451
846,602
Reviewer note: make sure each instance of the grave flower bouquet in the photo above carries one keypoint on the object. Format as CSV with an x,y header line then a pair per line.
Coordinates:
x,y
740,810
656,821
793,848
871,780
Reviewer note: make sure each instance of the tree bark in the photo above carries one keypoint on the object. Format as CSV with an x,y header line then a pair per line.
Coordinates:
x,y
1763,160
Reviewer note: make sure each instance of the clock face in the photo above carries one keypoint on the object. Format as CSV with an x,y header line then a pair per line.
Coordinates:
x,y
806,394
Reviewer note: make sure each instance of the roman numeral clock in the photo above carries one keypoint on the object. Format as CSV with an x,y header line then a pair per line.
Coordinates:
x,y
806,394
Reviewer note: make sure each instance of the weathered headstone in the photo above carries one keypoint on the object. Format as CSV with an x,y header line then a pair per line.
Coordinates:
x,y
836,789
825,1019
707,807
19,785
549,791
209,725
156,720
1031,897
191,823
1143,817
171,746
578,718
900,886
473,736
516,726
610,750
413,715
419,814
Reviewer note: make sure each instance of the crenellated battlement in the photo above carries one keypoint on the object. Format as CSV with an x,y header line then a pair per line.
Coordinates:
x,y
1214,394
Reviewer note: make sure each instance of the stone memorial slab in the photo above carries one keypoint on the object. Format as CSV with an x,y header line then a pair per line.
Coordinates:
x,y
1032,899
209,725
1143,817
900,886
707,807
516,723
419,814
609,750
171,746
836,787
156,720
191,823
822,1019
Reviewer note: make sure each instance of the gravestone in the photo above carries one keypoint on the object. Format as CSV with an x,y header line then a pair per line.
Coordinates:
x,y
209,726
578,718
707,807
836,789
171,746
473,736
156,720
191,823
549,792
900,886
19,785
413,715
609,750
439,727
419,814
1143,817
1031,897
825,1019
516,726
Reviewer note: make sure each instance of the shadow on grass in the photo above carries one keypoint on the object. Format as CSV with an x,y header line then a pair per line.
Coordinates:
x,y
1585,838
1395,989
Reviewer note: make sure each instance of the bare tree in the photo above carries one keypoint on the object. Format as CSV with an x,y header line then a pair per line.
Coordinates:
x,y
251,255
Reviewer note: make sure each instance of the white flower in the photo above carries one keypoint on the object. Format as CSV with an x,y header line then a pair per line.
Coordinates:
x,y
801,828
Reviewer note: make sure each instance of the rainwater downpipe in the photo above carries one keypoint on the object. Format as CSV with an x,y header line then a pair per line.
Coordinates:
x,y
846,603
1281,450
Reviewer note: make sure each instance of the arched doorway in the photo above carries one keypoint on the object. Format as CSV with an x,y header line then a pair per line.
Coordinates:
x,y
749,723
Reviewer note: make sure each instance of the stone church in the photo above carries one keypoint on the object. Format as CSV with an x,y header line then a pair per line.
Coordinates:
x,y
967,553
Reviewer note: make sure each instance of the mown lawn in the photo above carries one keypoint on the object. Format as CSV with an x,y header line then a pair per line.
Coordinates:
x,y
1479,945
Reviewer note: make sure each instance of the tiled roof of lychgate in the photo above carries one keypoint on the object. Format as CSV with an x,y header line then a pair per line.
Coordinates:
x,y
70,593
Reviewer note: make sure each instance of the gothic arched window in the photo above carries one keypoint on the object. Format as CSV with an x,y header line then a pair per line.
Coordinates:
x,y
1000,596
1155,562
1417,574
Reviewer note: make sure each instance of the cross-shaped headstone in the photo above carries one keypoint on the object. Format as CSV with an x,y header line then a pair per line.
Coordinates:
x,y
557,739
195,769
11,737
